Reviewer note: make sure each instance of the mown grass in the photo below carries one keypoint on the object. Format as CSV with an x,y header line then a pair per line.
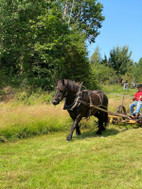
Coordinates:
x,y
107,162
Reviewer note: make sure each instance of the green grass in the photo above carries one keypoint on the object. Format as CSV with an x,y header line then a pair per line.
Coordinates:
x,y
107,162
117,89
110,161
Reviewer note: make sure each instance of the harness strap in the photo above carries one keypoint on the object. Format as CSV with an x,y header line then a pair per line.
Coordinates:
x,y
78,101
75,103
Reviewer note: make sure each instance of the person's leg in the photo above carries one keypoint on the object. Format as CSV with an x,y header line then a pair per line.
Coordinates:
x,y
132,107
138,108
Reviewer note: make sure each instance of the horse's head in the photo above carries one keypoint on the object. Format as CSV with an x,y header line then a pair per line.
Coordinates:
x,y
60,92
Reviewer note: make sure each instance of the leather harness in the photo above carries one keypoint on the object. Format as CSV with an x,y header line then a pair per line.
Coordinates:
x,y
79,101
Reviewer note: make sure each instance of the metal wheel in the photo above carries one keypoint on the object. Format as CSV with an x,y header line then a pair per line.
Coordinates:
x,y
121,109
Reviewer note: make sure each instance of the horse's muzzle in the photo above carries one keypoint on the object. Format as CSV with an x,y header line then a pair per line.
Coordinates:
x,y
55,102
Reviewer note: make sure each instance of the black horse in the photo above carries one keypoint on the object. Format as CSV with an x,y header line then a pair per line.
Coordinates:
x,y
79,103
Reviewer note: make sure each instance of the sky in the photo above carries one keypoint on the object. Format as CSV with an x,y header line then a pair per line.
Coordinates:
x,y
122,26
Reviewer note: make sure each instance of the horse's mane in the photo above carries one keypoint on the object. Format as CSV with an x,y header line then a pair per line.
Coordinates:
x,y
70,85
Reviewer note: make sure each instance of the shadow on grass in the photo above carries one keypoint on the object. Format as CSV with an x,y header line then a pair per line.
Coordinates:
x,y
107,133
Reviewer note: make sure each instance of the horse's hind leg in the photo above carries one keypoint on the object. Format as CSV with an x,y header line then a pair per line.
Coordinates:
x,y
101,127
106,119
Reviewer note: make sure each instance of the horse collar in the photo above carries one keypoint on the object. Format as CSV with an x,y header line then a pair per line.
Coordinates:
x,y
75,102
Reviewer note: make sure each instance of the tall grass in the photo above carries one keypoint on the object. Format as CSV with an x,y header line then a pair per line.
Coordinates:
x,y
29,114
117,96
24,121
117,89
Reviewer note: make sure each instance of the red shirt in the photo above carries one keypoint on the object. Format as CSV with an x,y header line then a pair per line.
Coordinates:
x,y
137,95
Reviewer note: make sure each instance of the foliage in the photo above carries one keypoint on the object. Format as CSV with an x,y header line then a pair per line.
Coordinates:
x,y
45,40
85,16
101,72
104,74
137,71
120,60
115,69
96,56
30,97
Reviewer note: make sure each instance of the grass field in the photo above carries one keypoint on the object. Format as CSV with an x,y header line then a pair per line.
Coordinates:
x,y
112,161
25,117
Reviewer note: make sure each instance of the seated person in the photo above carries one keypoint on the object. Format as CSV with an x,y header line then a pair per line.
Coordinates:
x,y
138,101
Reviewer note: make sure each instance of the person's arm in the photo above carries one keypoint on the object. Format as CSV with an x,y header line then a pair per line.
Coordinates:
x,y
135,97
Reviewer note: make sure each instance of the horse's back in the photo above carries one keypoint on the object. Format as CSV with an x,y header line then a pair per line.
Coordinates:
x,y
99,97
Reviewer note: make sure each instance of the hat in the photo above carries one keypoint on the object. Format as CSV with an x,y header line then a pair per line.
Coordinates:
x,y
139,85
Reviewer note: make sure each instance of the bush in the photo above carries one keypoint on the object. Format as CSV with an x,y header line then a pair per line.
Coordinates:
x,y
103,74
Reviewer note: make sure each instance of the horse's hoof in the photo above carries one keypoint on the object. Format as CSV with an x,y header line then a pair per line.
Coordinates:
x,y
103,128
68,139
78,134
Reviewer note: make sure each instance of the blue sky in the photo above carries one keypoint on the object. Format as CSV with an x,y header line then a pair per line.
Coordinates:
x,y
122,26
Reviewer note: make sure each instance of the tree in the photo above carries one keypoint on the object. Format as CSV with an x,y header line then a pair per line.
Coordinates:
x,y
101,72
16,33
84,15
137,71
45,40
96,56
120,60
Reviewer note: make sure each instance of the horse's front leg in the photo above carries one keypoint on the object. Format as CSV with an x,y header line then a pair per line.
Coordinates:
x,y
78,132
75,124
73,116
